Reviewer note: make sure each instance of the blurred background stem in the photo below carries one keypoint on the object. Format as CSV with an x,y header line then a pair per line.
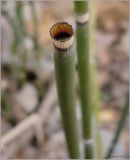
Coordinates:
x,y
37,46
94,85
120,126
22,31
6,108
15,45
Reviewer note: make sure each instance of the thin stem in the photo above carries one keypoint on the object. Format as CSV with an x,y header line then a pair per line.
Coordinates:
x,y
16,44
34,15
37,46
94,85
11,22
6,108
96,104
20,18
119,129
22,30
81,9
64,69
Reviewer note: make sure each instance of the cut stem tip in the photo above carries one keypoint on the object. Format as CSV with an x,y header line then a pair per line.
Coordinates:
x,y
62,34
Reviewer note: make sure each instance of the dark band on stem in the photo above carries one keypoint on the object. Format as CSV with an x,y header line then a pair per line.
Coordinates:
x,y
82,24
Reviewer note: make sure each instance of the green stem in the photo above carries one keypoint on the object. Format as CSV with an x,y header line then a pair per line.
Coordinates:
x,y
64,69
37,46
20,18
64,66
96,104
17,42
119,129
34,15
11,21
95,88
6,108
81,7
22,31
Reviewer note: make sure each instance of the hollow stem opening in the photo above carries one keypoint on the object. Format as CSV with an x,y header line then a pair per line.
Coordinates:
x,y
62,35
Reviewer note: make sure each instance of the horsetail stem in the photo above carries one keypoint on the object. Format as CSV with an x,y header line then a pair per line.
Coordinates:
x,y
81,10
37,45
122,120
20,22
94,85
64,55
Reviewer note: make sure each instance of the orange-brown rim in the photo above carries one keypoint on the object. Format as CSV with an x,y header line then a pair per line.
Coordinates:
x,y
60,27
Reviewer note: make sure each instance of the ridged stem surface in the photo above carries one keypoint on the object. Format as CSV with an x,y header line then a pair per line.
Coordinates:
x,y
65,68
81,7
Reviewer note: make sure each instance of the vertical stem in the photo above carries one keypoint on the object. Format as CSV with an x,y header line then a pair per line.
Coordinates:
x,y
94,84
119,129
96,104
34,15
37,46
6,108
20,18
11,22
64,55
16,44
22,31
81,9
